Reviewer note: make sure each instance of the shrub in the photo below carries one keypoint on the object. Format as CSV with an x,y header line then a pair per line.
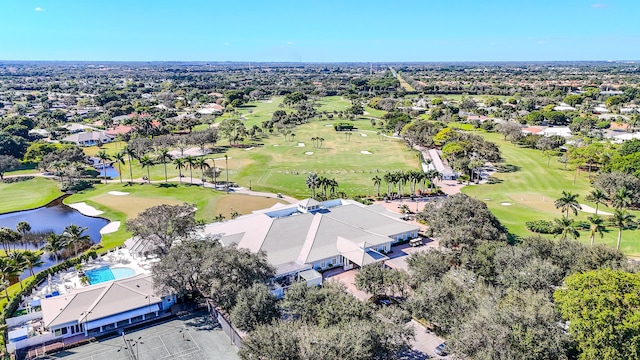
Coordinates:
x,y
541,227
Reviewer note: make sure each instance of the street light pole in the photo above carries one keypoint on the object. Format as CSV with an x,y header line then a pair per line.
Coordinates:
x,y
226,165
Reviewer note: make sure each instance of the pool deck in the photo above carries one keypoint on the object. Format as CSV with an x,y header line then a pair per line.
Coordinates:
x,y
68,280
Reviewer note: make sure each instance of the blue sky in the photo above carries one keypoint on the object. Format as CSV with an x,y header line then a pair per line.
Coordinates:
x,y
319,31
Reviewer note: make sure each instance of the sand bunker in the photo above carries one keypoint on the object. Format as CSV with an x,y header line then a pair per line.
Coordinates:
x,y
86,209
251,148
365,152
505,204
300,144
110,227
118,193
275,144
309,153
361,134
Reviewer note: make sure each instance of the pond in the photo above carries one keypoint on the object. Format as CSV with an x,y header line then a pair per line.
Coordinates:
x,y
54,216
111,172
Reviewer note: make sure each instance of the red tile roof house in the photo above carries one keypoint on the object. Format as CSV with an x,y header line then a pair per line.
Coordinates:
x,y
120,130
533,130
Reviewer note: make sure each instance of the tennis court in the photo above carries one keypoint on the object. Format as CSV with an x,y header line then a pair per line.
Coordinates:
x,y
193,337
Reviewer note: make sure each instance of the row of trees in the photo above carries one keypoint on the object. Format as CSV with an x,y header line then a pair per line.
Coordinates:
x,y
400,178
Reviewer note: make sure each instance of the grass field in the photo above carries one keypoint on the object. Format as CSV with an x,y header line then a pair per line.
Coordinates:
x,y
532,190
282,166
28,194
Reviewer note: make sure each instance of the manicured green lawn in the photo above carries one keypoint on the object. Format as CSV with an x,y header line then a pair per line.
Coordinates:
x,y
283,166
28,194
532,189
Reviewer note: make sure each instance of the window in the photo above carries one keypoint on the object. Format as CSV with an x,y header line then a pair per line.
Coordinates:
x,y
61,331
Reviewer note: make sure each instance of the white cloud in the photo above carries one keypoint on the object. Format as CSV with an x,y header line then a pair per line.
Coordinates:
x,y
598,6
540,42
39,9
226,44
289,42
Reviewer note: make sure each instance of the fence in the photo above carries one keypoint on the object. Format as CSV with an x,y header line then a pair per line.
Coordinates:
x,y
225,325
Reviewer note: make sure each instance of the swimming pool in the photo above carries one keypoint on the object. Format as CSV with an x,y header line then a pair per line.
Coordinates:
x,y
106,273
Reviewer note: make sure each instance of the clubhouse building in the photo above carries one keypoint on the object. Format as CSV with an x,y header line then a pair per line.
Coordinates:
x,y
304,238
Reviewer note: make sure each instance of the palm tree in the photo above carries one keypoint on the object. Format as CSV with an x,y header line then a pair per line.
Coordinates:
x,y
104,157
313,181
622,219
321,140
376,182
596,227
598,197
8,237
568,201
202,164
566,227
164,157
19,264
191,161
32,259
7,271
75,236
54,244
621,199
147,162
119,159
180,164
388,178
132,155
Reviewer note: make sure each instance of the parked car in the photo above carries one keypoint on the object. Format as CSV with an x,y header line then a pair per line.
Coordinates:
x,y
441,350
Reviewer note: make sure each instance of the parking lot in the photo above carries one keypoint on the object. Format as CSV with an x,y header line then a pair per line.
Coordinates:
x,y
193,337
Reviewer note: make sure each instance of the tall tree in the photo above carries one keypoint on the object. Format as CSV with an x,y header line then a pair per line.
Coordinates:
x,y
7,271
202,164
602,308
7,163
180,164
132,155
159,226
255,306
164,157
119,159
598,197
622,219
54,244
191,162
312,182
596,226
104,157
8,238
621,199
568,201
147,162
75,236
32,259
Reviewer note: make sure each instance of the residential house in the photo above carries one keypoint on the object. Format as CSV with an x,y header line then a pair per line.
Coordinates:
x,y
89,138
